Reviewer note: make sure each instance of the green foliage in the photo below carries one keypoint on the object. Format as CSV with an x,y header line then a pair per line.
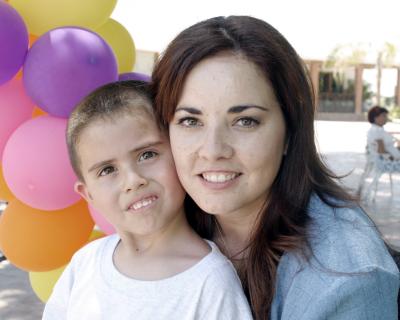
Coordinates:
x,y
394,112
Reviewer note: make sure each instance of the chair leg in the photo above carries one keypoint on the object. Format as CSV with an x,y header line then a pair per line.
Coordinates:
x,y
361,185
374,184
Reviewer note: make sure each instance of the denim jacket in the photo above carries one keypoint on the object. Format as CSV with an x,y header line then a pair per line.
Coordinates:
x,y
350,274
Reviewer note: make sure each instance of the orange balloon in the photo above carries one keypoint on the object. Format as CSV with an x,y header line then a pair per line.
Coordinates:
x,y
32,39
38,112
36,240
5,193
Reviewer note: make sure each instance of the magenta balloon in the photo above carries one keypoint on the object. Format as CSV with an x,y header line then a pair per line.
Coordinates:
x,y
100,221
13,42
15,108
36,165
134,76
66,64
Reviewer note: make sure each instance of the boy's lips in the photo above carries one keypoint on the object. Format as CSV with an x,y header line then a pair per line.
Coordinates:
x,y
143,202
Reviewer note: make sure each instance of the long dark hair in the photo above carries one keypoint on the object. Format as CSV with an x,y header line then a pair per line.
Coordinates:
x,y
282,223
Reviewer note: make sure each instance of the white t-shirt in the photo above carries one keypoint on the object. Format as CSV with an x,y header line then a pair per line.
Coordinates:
x,y
92,288
378,133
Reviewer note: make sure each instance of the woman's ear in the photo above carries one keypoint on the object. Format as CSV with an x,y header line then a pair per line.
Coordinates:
x,y
81,188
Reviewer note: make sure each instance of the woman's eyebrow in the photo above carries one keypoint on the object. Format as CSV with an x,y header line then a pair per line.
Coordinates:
x,y
189,110
241,108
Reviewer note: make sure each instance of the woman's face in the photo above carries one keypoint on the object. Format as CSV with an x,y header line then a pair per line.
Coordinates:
x,y
227,136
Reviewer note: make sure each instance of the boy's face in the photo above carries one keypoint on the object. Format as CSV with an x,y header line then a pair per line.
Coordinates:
x,y
129,174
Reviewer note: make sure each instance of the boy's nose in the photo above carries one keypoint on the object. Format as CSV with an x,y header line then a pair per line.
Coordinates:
x,y
134,181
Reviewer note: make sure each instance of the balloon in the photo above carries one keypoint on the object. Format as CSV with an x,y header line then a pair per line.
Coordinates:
x,y
37,112
13,42
100,221
134,76
32,39
43,15
15,108
121,42
96,234
35,240
5,193
66,64
36,164
42,283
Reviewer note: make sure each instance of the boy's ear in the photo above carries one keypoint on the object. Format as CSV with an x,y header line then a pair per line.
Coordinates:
x,y
81,189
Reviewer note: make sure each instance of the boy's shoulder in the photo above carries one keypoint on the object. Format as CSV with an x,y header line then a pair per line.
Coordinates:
x,y
94,249
218,268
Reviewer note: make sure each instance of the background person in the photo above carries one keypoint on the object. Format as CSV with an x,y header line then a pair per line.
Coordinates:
x,y
380,141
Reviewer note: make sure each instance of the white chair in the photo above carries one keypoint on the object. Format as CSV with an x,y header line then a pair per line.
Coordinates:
x,y
377,164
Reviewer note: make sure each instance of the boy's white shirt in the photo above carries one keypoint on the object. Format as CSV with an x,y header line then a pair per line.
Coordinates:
x,y
92,288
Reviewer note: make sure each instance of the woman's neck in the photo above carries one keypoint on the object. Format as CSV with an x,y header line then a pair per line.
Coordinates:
x,y
233,233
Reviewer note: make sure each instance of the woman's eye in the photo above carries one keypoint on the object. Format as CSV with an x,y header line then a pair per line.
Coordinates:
x,y
106,171
247,122
189,122
148,155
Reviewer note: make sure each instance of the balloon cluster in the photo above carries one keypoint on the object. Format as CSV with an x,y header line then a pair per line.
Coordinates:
x,y
52,54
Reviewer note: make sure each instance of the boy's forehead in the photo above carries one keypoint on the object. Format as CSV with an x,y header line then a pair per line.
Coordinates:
x,y
137,122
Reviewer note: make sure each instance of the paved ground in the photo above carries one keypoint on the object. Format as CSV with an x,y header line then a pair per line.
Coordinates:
x,y
341,143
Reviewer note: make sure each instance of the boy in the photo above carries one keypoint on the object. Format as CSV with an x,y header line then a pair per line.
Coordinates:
x,y
155,266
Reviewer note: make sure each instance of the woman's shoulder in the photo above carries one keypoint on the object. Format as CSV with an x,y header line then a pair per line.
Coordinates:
x,y
345,239
348,266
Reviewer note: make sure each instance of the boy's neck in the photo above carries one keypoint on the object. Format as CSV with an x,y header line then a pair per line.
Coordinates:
x,y
168,252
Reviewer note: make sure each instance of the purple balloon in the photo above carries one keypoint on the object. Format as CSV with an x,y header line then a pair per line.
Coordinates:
x,y
14,42
66,64
134,76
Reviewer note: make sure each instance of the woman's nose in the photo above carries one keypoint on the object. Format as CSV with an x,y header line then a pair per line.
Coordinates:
x,y
216,144
133,180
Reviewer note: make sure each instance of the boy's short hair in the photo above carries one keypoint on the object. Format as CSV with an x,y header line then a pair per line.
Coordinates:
x,y
375,112
106,102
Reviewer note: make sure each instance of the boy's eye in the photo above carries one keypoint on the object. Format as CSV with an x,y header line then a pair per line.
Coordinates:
x,y
247,122
189,122
147,155
107,170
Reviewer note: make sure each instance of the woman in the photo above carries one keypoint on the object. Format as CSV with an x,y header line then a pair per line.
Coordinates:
x,y
381,144
239,107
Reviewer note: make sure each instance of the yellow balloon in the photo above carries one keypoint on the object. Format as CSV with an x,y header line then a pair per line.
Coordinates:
x,y
96,234
42,283
43,15
121,42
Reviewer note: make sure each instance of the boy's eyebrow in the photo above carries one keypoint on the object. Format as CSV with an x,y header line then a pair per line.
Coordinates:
x,y
147,145
109,161
100,164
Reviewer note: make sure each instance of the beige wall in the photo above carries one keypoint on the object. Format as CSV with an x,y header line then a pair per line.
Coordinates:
x,y
145,61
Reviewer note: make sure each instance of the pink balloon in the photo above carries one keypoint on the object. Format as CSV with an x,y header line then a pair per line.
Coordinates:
x,y
15,108
36,165
100,221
